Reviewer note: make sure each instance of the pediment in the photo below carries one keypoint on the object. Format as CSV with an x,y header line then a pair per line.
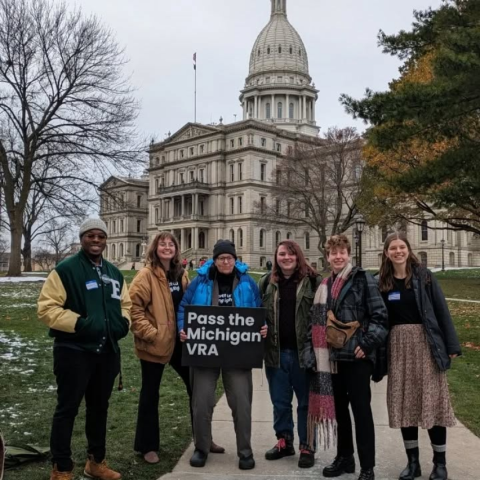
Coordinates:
x,y
191,131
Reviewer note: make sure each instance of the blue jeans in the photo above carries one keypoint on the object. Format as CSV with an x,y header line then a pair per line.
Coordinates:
x,y
282,383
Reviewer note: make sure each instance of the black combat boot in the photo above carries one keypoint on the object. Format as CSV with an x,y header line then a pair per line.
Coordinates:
x,y
339,466
412,470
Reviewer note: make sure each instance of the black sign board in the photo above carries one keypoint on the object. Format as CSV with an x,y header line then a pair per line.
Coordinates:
x,y
227,337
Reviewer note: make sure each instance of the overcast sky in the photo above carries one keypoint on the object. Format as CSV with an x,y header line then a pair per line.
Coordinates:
x,y
160,37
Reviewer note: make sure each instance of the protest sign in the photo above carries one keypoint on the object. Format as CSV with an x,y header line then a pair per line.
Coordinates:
x,y
227,337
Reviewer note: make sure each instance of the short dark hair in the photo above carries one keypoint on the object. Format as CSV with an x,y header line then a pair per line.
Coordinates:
x,y
338,241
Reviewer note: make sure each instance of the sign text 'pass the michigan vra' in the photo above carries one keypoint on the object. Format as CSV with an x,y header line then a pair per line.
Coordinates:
x,y
227,337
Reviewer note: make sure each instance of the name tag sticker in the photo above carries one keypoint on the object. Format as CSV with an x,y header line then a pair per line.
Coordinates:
x,y
394,296
91,285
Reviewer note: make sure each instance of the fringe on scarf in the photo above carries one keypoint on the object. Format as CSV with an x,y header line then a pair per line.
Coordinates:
x,y
324,431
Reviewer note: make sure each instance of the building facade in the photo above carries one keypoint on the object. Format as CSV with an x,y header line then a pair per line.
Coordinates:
x,y
205,182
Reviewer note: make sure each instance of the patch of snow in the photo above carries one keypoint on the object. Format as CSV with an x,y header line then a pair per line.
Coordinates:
x,y
21,279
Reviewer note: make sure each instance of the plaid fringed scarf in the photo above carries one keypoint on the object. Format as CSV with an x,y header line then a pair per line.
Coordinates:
x,y
321,406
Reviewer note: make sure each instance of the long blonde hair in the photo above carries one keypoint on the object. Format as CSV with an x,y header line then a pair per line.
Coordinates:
x,y
176,268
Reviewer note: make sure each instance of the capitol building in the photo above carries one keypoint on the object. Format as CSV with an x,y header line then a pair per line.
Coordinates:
x,y
204,181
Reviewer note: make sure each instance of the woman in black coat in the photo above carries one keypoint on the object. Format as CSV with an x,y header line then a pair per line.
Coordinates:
x,y
421,345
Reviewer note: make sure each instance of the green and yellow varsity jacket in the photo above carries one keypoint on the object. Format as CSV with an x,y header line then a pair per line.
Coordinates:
x,y
85,306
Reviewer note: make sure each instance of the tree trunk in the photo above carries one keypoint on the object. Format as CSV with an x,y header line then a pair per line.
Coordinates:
x,y
27,254
15,265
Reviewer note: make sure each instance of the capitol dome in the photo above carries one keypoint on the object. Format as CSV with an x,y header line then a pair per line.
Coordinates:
x,y
279,46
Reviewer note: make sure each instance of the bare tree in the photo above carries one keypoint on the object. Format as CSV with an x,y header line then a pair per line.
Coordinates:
x,y
316,186
63,98
58,240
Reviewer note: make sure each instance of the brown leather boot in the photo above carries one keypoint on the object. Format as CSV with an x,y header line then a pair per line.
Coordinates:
x,y
100,471
214,448
56,475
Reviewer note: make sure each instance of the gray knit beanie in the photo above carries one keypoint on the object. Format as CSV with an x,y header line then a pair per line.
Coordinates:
x,y
93,224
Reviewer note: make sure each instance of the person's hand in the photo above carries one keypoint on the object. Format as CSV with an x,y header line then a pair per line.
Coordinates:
x,y
183,335
264,331
359,353
453,355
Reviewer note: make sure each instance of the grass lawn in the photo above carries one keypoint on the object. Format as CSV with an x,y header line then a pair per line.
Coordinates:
x,y
464,284
28,391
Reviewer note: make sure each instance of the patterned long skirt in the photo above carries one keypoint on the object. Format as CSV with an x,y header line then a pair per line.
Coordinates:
x,y
417,390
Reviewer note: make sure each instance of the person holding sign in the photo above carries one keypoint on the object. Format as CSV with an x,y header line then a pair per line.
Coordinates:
x,y
287,294
354,319
222,281
156,292
422,343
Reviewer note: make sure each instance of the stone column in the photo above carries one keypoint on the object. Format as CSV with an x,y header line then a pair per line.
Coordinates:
x,y
287,107
273,111
195,238
183,207
183,239
304,107
255,107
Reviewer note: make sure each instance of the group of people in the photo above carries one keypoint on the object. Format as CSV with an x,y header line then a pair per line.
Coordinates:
x,y
324,341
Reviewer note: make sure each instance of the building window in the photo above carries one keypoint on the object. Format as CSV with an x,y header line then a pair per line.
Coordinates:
x,y
291,50
182,178
279,49
121,226
232,142
182,153
114,252
288,209
240,204
202,148
139,226
262,238
240,142
290,111
202,175
451,259
192,175
279,110
163,159
240,171
277,206
232,236
191,150
268,113
263,171
232,172
232,206
299,52
307,241
240,237
137,250
264,141
268,50
279,147
278,236
120,250
423,258
262,205
201,240
157,215
289,235
424,228
114,226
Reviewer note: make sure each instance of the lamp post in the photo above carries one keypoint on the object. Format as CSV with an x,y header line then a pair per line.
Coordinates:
x,y
360,225
355,239
442,242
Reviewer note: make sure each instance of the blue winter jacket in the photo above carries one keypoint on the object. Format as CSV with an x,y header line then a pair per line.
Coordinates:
x,y
199,292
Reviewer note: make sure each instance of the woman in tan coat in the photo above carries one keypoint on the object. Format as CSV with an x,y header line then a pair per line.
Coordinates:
x,y
156,292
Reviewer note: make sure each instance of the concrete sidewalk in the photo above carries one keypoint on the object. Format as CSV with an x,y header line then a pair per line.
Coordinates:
x,y
463,448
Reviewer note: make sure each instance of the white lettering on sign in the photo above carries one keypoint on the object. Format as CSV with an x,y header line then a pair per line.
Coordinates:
x,y
220,335
202,349
205,319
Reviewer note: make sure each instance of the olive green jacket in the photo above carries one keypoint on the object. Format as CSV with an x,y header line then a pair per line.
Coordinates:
x,y
270,298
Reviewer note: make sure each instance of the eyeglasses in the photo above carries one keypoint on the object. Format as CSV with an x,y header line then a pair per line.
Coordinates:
x,y
93,236
225,259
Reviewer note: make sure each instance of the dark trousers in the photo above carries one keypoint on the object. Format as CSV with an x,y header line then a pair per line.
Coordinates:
x,y
147,436
351,386
81,374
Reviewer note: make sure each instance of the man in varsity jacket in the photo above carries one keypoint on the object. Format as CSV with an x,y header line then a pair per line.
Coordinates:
x,y
85,303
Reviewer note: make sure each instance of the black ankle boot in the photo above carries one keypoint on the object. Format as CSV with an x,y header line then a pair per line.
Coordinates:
x,y
413,469
367,474
439,472
339,466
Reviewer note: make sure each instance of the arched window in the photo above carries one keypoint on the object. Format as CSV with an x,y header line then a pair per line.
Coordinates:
x,y
278,236
232,236
423,258
307,241
290,110
299,52
289,235
280,110
240,238
268,50
120,251
137,250
268,112
114,252
262,238
263,261
424,228
201,240
189,240
451,259
258,52
279,49
291,50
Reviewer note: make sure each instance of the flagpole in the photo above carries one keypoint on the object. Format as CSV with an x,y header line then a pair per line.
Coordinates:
x,y
195,92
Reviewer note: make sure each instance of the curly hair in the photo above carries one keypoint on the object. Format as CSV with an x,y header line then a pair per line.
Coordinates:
x,y
386,275
338,241
176,268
